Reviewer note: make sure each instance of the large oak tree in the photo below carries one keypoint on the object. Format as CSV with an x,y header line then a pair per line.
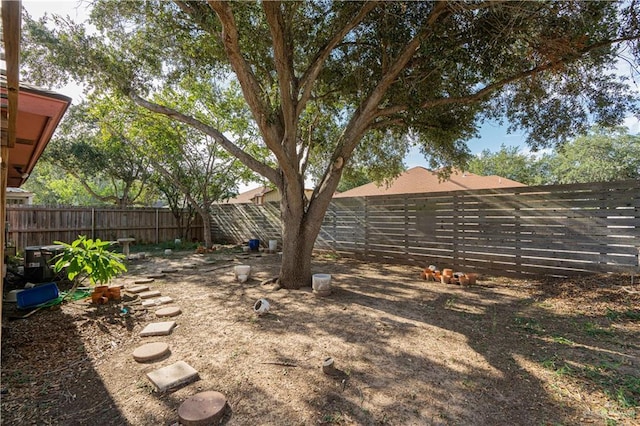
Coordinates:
x,y
324,80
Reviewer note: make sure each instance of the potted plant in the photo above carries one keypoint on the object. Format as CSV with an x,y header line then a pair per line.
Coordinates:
x,y
86,259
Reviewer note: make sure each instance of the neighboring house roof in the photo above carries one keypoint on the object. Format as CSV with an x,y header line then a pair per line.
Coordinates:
x,y
39,112
420,180
260,195
248,196
18,191
19,194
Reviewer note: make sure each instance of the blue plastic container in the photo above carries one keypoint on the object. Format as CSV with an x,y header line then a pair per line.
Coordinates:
x,y
254,245
35,296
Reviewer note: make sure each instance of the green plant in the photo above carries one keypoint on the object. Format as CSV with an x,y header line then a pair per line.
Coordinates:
x,y
594,330
562,340
85,259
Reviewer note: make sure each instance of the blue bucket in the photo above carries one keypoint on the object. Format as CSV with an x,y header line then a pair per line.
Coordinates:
x,y
35,296
254,245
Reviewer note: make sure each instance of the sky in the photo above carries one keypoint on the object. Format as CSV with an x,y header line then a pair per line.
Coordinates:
x,y
492,134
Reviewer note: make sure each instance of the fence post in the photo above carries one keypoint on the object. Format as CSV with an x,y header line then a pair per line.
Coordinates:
x,y
455,256
157,226
93,223
366,227
406,227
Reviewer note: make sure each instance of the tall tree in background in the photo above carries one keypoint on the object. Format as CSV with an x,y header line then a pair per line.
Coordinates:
x,y
511,163
599,156
103,164
428,70
53,186
189,161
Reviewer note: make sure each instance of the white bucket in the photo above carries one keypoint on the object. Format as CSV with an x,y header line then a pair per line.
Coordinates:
x,y
321,282
261,306
273,245
242,270
12,296
167,252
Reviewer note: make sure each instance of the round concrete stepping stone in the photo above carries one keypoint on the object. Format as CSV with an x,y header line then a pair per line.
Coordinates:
x,y
204,408
169,311
151,351
143,281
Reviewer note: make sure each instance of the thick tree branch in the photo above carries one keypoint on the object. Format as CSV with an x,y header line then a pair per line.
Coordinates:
x,y
364,115
493,87
251,88
497,85
283,59
311,74
217,136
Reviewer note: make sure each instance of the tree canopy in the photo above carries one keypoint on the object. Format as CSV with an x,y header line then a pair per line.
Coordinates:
x,y
601,155
326,82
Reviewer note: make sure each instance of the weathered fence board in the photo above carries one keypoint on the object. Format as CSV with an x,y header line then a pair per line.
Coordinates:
x,y
38,225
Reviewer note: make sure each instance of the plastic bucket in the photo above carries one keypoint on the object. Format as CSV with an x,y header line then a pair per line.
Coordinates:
x,y
273,245
321,282
242,271
37,295
254,245
261,306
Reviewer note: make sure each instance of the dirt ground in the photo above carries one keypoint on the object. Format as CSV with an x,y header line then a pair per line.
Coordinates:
x,y
411,352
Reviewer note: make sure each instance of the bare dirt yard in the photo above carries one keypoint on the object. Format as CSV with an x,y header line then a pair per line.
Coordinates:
x,y
409,352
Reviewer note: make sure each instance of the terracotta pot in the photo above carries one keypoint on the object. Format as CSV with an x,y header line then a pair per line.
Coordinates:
x,y
445,279
447,272
95,297
114,293
102,289
472,278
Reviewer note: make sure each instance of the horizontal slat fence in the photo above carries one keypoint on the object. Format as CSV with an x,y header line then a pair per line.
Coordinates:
x,y
238,223
38,225
543,230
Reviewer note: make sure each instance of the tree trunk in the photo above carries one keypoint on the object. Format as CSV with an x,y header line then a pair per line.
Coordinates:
x,y
300,228
206,225
297,247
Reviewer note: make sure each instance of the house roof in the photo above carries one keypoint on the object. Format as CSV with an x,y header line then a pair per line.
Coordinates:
x,y
248,196
420,180
39,113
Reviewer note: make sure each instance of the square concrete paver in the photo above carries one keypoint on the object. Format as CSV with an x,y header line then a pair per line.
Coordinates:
x,y
154,302
158,329
138,288
149,294
172,375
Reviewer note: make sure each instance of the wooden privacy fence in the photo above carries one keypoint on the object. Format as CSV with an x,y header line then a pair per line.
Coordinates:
x,y
38,225
543,230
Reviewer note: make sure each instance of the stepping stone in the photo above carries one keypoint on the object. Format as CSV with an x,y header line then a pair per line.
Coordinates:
x,y
159,301
172,375
158,329
204,408
151,351
154,276
169,271
170,311
149,294
143,281
138,289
